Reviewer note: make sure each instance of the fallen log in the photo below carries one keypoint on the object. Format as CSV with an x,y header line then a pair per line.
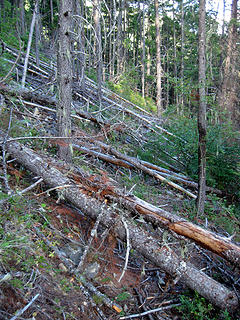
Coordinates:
x,y
43,99
137,164
104,188
145,244
155,169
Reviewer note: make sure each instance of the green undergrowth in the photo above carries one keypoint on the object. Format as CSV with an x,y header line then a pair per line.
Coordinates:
x,y
195,307
127,89
218,214
223,153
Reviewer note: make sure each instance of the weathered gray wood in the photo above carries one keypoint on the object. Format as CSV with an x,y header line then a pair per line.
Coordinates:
x,y
150,247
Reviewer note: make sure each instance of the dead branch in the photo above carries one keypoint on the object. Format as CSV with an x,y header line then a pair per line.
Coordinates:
x,y
20,312
5,178
87,247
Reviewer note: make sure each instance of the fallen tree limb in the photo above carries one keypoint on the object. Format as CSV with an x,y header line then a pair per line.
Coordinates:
x,y
144,243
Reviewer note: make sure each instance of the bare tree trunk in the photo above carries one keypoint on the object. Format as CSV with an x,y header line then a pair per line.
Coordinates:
x,y
119,39
176,100
158,61
29,42
64,69
143,51
148,63
51,10
37,36
202,109
122,50
182,59
22,17
80,61
228,96
222,41
98,46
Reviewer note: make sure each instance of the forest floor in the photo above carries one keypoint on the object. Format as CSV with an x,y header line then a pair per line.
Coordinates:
x,y
41,234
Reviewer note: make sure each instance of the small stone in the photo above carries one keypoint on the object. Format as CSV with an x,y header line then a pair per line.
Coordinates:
x,y
92,270
62,267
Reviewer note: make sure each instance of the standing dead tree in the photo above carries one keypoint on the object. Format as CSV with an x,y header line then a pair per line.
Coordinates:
x,y
64,78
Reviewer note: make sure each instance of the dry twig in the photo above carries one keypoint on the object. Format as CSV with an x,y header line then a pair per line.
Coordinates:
x,y
128,249
20,312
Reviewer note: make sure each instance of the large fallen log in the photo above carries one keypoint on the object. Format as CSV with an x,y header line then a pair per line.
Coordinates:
x,y
150,247
104,188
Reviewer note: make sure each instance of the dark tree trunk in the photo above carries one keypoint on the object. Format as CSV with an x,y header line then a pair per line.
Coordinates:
x,y
64,69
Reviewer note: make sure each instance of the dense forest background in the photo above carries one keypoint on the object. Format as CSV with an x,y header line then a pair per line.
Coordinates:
x,y
114,43
140,100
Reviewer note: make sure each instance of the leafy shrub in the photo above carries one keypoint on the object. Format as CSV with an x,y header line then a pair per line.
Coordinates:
x,y
223,153
197,308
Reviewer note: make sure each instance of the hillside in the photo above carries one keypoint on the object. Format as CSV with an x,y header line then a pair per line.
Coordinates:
x,y
115,234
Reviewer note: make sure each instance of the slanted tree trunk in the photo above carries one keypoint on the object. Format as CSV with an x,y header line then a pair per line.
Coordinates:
x,y
64,78
29,43
228,95
202,110
158,61
37,35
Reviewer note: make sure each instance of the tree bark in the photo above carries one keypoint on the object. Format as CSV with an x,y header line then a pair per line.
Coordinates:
x,y
143,51
159,253
182,59
228,96
202,110
37,35
29,42
158,61
81,61
22,17
64,78
98,46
